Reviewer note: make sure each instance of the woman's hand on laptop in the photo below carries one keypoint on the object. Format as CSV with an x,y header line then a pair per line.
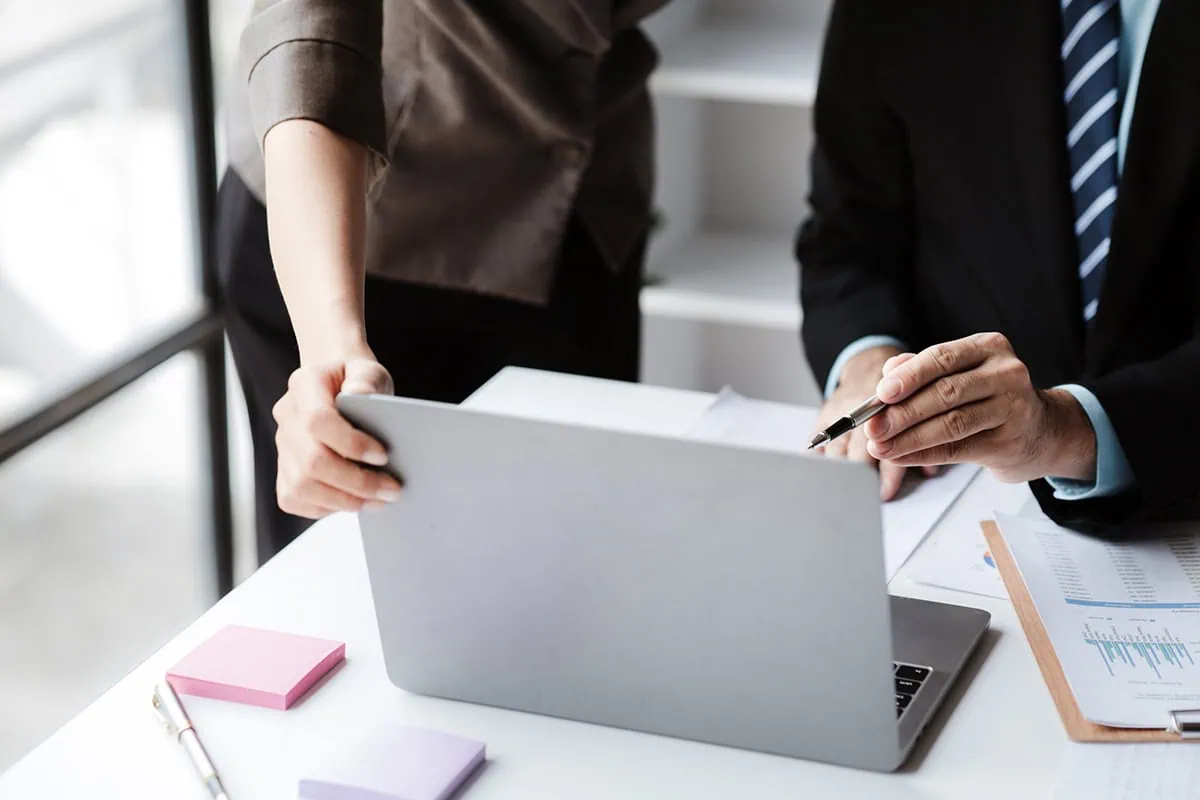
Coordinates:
x,y
320,453
858,381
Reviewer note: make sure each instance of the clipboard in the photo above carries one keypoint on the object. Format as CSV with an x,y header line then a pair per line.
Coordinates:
x,y
1184,725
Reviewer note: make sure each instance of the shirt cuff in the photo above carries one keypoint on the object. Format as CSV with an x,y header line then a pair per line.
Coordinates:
x,y
318,60
853,349
1113,473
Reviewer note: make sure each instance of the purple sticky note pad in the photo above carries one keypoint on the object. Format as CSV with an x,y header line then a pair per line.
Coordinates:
x,y
256,667
390,762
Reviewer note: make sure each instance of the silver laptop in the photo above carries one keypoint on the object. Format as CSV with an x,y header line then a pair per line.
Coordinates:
x,y
705,591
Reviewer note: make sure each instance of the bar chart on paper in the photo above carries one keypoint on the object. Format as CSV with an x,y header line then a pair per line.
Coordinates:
x,y
1143,648
1124,617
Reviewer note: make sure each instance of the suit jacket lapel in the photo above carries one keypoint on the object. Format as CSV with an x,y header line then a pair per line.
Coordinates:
x,y
1160,159
1038,128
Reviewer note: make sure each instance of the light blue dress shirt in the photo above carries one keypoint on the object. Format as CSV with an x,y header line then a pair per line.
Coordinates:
x,y
1113,473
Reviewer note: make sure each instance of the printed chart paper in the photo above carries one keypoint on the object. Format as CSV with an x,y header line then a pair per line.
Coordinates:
x,y
1124,618
959,559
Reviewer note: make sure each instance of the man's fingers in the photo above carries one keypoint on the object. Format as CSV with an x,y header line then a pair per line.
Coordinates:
x,y
931,470
934,362
945,393
331,429
856,447
963,451
891,478
954,425
896,361
837,448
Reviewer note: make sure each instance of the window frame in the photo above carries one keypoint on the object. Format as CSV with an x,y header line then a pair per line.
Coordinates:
x,y
203,333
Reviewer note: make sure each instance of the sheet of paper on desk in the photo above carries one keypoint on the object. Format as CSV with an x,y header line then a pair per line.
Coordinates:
x,y
1124,618
734,419
1161,771
959,559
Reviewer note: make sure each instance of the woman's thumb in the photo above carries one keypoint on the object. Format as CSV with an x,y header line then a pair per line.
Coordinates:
x,y
366,377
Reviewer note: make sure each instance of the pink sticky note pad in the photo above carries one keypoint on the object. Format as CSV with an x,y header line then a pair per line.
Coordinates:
x,y
255,666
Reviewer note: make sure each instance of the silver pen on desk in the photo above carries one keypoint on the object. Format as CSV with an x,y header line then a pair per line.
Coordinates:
x,y
853,418
176,721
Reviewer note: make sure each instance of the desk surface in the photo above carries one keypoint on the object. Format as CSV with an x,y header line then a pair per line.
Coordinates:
x,y
999,736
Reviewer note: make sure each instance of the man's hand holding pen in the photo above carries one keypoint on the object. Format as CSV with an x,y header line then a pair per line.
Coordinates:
x,y
858,380
970,401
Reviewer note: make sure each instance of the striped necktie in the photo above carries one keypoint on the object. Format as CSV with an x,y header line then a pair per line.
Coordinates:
x,y
1091,38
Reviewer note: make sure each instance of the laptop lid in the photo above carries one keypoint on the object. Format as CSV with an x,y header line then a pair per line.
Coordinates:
x,y
697,590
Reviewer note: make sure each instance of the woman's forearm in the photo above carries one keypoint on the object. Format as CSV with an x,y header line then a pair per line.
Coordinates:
x,y
316,213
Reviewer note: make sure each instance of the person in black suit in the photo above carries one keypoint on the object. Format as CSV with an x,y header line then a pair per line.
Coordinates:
x,y
1006,226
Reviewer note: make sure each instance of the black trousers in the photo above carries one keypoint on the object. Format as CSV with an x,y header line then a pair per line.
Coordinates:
x,y
437,344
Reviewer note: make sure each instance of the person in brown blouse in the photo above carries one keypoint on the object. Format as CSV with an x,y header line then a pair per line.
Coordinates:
x,y
422,192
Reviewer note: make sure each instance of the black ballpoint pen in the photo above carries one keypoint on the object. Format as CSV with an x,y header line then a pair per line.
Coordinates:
x,y
853,418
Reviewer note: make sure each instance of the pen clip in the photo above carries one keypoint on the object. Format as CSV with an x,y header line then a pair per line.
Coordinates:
x,y
163,716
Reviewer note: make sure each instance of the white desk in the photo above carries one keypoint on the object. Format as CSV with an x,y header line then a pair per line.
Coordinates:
x,y
999,737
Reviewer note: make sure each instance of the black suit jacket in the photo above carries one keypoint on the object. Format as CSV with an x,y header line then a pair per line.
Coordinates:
x,y
942,207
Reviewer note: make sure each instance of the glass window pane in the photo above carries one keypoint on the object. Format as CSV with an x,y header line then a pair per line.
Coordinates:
x,y
227,17
96,226
104,550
